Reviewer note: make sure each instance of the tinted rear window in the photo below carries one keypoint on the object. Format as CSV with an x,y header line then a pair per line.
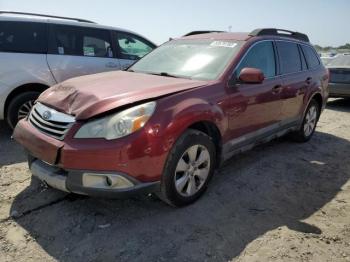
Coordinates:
x,y
23,37
340,76
311,57
289,57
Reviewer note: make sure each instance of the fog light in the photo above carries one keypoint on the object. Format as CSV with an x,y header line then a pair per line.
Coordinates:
x,y
106,181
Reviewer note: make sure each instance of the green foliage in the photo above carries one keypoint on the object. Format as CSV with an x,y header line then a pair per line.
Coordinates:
x,y
329,48
346,46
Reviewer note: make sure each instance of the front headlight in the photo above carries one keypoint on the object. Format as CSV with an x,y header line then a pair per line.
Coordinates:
x,y
118,125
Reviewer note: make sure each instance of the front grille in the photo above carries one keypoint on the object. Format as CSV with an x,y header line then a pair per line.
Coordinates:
x,y
50,121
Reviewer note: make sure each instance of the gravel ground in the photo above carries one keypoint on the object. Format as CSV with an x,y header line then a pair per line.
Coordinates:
x,y
282,201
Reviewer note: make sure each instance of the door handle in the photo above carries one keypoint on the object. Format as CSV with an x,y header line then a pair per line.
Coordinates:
x,y
308,80
111,65
276,89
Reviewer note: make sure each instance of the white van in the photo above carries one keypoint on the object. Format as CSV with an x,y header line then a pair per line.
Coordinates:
x,y
39,51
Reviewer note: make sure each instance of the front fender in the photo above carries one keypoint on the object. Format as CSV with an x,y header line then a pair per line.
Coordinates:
x,y
175,118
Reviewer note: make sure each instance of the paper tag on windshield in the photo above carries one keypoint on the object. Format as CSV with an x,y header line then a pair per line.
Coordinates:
x,y
223,44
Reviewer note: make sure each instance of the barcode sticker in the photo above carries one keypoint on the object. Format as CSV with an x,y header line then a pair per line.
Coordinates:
x,y
223,44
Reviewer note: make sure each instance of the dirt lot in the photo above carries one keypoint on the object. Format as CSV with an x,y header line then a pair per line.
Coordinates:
x,y
283,201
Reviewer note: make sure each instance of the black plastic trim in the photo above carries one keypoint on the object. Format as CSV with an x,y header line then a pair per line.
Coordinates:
x,y
279,32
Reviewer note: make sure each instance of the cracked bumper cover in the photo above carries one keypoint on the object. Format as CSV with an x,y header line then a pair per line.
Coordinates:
x,y
72,181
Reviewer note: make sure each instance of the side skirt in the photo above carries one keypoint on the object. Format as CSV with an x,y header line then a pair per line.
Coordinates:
x,y
264,135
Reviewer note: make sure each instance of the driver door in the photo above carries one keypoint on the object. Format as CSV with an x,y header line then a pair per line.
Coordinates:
x,y
254,109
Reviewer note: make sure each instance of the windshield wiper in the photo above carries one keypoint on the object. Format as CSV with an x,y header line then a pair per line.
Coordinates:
x,y
166,74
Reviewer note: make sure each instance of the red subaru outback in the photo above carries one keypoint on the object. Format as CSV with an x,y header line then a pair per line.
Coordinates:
x,y
167,122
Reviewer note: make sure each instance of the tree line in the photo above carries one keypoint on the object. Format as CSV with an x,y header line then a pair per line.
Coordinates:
x,y
328,48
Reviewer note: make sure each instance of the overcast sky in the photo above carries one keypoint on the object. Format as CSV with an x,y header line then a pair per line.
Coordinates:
x,y
326,22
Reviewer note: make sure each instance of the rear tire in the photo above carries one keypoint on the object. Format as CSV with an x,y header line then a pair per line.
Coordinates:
x,y
19,107
188,170
309,124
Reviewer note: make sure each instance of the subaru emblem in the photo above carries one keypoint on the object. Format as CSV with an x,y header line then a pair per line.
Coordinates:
x,y
46,115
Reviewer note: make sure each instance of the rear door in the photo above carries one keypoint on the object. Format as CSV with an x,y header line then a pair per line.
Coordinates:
x,y
76,51
130,48
295,77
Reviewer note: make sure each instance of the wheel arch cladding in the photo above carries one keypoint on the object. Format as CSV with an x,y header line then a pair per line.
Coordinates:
x,y
210,129
318,98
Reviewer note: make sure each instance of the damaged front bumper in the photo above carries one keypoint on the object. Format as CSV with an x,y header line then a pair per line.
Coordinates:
x,y
92,183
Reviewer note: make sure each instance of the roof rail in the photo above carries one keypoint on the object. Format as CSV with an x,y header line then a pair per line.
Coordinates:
x,y
202,32
49,16
279,32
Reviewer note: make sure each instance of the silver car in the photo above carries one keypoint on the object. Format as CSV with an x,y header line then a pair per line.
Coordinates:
x,y
39,51
339,83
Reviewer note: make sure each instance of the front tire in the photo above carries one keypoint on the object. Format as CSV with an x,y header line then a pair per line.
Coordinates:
x,y
188,169
20,107
310,120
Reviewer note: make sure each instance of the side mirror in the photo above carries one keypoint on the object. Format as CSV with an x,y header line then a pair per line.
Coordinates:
x,y
251,76
129,40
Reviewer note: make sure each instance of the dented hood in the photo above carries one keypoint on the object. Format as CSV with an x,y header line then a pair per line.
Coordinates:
x,y
91,95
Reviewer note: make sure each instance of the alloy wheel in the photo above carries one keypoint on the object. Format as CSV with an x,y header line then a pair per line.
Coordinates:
x,y
192,170
25,109
310,120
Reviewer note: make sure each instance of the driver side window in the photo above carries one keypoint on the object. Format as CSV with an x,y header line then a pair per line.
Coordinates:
x,y
260,56
132,47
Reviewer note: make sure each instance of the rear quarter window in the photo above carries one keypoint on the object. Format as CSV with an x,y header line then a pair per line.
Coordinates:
x,y
23,37
311,56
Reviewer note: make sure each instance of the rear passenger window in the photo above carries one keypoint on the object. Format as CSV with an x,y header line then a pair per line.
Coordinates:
x,y
80,41
260,56
23,37
65,41
311,57
97,43
289,57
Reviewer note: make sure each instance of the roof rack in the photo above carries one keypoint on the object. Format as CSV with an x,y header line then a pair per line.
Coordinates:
x,y
202,32
50,16
279,32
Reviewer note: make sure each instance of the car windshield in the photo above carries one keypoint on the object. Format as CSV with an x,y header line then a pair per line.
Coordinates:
x,y
194,59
